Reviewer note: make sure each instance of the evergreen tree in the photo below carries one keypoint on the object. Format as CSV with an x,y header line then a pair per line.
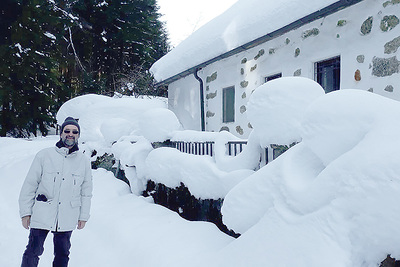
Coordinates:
x,y
125,35
30,60
52,50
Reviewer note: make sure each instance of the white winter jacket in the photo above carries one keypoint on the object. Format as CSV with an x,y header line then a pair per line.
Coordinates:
x,y
66,181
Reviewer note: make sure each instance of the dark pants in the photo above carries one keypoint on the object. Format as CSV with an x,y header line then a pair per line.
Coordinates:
x,y
35,248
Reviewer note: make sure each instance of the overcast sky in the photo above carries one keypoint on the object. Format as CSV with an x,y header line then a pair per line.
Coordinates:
x,y
183,17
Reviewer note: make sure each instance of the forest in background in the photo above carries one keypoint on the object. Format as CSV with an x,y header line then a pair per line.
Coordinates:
x,y
54,50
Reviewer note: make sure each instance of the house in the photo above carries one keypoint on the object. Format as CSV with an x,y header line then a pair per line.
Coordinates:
x,y
340,44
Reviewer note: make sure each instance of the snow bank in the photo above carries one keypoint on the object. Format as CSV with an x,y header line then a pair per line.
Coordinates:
x,y
196,136
127,126
106,119
199,173
78,106
132,152
158,124
124,230
133,231
330,200
276,109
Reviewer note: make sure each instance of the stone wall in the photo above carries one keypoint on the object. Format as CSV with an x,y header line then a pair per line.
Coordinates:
x,y
368,47
180,200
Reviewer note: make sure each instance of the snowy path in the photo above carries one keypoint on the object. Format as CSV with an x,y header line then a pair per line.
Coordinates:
x,y
124,230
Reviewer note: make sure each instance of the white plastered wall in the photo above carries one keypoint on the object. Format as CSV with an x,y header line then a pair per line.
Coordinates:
x,y
247,70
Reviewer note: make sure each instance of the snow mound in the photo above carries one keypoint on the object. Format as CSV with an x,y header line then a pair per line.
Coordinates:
x,y
276,108
106,119
330,200
132,152
159,124
78,106
333,194
199,173
113,129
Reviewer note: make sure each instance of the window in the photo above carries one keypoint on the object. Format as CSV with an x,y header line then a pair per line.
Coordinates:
x,y
228,104
272,77
327,74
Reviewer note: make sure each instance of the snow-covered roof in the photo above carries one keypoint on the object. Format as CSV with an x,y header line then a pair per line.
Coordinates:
x,y
244,25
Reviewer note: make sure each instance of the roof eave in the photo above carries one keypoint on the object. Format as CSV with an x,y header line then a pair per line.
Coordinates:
x,y
265,38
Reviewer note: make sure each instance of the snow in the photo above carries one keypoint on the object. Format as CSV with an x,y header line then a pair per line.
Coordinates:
x,y
96,114
40,53
50,35
200,174
232,29
104,3
282,101
158,124
334,193
124,229
21,50
330,200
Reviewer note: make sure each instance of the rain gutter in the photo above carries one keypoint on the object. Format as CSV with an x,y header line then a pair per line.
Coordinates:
x,y
203,123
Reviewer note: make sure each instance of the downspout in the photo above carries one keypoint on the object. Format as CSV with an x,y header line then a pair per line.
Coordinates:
x,y
203,121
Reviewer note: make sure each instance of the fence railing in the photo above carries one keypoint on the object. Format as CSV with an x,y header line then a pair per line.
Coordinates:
x,y
196,148
207,147
233,149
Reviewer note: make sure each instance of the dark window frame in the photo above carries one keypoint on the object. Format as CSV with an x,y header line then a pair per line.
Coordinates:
x,y
327,73
272,77
228,104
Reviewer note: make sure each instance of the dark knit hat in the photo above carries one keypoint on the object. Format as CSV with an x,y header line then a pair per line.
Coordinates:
x,y
70,121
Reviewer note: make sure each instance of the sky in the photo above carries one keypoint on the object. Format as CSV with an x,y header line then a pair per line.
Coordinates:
x,y
183,17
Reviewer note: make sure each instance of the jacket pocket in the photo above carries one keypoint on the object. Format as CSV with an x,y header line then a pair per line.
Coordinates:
x,y
77,180
43,214
71,220
76,203
46,186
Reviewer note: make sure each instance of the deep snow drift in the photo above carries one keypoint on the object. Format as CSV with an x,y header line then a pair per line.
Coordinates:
x,y
331,200
124,230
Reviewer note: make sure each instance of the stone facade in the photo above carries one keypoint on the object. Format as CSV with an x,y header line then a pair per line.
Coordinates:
x,y
367,44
